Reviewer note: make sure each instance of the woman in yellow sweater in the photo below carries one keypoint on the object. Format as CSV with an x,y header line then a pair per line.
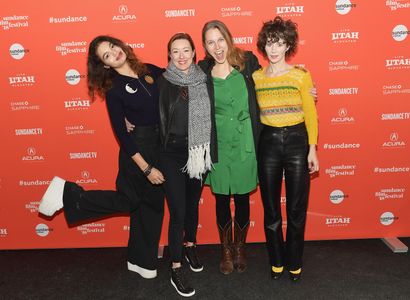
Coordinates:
x,y
287,144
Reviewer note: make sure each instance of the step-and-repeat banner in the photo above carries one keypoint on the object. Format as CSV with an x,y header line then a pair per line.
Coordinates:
x,y
358,54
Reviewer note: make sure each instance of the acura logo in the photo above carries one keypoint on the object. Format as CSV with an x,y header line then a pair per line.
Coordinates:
x,y
85,174
31,151
342,112
394,136
123,9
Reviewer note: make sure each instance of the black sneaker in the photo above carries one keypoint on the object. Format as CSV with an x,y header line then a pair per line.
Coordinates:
x,y
180,283
192,258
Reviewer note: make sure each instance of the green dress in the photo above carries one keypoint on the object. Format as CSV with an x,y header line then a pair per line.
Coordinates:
x,y
236,169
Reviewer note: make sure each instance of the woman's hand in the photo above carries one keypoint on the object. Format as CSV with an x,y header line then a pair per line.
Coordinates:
x,y
156,177
130,127
313,162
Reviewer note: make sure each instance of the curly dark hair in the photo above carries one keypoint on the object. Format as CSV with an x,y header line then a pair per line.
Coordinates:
x,y
99,78
273,31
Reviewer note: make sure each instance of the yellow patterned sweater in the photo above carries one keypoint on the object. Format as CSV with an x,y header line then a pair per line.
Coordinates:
x,y
285,100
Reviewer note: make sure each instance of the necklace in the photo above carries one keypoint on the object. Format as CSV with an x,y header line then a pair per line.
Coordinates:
x,y
131,90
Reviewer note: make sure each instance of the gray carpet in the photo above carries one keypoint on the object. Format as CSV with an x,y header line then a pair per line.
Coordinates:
x,y
345,269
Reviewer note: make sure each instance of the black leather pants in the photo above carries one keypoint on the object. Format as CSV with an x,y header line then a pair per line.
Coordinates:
x,y
283,151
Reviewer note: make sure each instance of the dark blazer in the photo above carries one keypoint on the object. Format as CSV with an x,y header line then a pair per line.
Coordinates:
x,y
251,65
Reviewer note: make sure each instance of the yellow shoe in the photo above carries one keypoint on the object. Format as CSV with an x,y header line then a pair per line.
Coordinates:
x,y
276,272
295,275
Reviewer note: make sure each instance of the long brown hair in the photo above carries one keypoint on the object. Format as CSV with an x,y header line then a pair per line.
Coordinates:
x,y
235,55
99,78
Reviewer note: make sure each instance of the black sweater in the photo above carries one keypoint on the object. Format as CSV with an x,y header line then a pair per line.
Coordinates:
x,y
140,108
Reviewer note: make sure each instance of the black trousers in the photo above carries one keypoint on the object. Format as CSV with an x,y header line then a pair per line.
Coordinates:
x,y
134,194
283,151
182,194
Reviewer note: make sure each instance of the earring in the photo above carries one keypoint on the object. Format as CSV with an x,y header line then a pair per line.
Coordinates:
x,y
106,67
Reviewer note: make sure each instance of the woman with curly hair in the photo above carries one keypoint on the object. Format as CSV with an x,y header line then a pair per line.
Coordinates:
x,y
129,87
287,145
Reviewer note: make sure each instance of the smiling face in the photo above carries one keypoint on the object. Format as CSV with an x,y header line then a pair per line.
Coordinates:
x,y
111,55
216,45
276,50
181,54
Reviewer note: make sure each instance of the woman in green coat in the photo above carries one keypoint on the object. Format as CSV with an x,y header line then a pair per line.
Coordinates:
x,y
234,136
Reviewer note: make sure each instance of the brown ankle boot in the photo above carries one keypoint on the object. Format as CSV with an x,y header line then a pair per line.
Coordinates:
x,y
239,247
225,234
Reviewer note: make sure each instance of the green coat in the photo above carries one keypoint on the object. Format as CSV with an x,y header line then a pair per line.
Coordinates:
x,y
236,169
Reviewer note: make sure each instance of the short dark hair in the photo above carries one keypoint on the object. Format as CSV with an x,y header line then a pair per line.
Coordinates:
x,y
181,36
276,29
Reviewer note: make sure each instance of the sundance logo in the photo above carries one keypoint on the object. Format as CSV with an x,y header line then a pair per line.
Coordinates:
x,y
345,36
392,170
73,77
341,170
17,51
338,221
43,230
68,19
343,65
29,131
400,33
91,228
387,218
342,118
343,7
86,178
136,45
343,91
391,193
32,155
397,63
32,206
83,155
22,80
395,116
36,182
11,22
66,48
123,15
340,146
394,142
290,10
77,104
23,105
176,13
397,4
337,196
243,40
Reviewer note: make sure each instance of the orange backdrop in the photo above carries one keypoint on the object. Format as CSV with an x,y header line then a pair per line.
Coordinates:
x,y
357,52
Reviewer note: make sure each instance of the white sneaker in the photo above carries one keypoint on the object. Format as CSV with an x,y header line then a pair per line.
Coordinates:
x,y
145,273
52,200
